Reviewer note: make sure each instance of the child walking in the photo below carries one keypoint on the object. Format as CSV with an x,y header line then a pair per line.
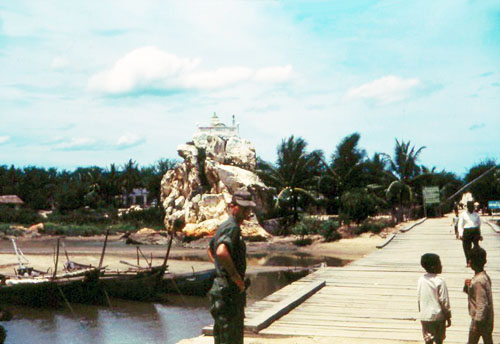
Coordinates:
x,y
433,300
478,290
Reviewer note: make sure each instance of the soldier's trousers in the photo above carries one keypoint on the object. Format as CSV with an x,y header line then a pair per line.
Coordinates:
x,y
227,309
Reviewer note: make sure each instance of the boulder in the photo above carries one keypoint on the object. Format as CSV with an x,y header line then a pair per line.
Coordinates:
x,y
195,194
39,227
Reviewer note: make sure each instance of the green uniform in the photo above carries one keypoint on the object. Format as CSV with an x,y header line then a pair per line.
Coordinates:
x,y
227,303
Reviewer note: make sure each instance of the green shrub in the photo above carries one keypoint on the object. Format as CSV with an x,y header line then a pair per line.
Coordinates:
x,y
358,204
150,217
84,216
307,226
329,231
303,242
374,227
24,216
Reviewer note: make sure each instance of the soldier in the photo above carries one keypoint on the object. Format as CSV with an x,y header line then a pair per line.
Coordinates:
x,y
227,250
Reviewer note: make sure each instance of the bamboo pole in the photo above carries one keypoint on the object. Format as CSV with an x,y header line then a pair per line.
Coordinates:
x,y
57,258
169,245
104,248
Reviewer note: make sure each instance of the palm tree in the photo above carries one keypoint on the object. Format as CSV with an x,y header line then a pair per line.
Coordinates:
x,y
403,171
294,175
130,177
348,170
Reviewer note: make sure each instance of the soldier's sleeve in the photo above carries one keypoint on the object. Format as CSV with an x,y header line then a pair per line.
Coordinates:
x,y
211,244
228,237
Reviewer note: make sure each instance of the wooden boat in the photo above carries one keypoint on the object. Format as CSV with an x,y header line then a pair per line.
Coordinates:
x,y
53,292
191,283
133,285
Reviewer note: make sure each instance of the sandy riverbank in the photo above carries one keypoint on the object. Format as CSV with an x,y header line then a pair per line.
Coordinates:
x,y
183,258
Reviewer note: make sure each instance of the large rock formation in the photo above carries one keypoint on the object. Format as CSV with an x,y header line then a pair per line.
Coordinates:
x,y
196,193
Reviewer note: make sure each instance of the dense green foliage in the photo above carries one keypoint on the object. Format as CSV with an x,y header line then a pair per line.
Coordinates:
x,y
92,187
358,204
488,187
310,225
349,183
294,175
352,184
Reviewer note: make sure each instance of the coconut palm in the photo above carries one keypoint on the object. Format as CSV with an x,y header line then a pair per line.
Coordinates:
x,y
130,177
294,175
348,170
403,171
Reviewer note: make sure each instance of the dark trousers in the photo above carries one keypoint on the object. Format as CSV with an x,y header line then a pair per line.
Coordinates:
x,y
477,331
228,310
470,236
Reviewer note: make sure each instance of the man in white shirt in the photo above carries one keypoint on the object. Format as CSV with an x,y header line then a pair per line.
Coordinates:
x,y
469,229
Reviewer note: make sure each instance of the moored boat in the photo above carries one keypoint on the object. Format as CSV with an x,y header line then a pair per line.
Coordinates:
x,y
191,283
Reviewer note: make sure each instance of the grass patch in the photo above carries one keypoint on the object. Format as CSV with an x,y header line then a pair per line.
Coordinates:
x,y
373,226
303,242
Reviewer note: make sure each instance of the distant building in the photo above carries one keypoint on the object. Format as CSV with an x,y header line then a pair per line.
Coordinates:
x,y
136,197
12,200
218,128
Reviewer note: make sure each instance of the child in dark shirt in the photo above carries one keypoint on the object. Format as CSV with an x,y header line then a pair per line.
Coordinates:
x,y
480,298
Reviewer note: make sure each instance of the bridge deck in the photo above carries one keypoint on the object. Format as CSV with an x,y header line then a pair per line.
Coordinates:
x,y
375,297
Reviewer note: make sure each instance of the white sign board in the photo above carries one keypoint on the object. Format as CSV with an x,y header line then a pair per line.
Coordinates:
x,y
431,195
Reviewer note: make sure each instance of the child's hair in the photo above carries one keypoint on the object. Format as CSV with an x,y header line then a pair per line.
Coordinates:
x,y
478,257
429,260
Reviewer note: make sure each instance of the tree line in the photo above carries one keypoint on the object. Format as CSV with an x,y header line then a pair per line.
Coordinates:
x,y
93,187
349,182
355,186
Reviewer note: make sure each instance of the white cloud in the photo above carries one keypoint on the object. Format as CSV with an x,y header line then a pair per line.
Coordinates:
x,y
142,67
129,140
274,74
151,68
81,143
385,90
59,63
218,78
4,139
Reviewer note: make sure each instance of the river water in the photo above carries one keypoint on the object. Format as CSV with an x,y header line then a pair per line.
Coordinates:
x,y
136,322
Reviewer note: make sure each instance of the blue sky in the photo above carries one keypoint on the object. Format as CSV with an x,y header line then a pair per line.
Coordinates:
x,y
100,82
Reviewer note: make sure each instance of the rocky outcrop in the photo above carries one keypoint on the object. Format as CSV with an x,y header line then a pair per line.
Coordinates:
x,y
146,236
196,193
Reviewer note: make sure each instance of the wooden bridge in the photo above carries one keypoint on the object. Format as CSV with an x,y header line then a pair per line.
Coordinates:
x,y
375,297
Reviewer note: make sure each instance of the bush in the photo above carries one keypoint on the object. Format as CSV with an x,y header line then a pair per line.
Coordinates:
x,y
306,226
85,230
152,217
84,216
303,242
374,227
328,231
358,204
24,216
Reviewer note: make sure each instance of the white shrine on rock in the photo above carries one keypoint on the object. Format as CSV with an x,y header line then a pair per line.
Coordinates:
x,y
218,128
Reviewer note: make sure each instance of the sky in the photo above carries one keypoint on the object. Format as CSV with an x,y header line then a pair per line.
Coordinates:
x,y
90,83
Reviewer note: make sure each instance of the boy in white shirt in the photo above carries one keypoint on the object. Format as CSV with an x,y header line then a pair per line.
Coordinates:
x,y
433,300
469,229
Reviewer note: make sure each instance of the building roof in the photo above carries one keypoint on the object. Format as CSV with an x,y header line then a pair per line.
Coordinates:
x,y
10,199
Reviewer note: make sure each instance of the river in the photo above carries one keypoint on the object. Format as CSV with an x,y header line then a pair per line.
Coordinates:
x,y
139,322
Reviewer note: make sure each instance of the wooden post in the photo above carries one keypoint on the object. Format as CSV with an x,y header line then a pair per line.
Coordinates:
x,y
423,201
57,258
169,245
104,248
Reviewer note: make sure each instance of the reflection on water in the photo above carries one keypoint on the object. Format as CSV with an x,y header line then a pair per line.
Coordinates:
x,y
128,322
298,259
